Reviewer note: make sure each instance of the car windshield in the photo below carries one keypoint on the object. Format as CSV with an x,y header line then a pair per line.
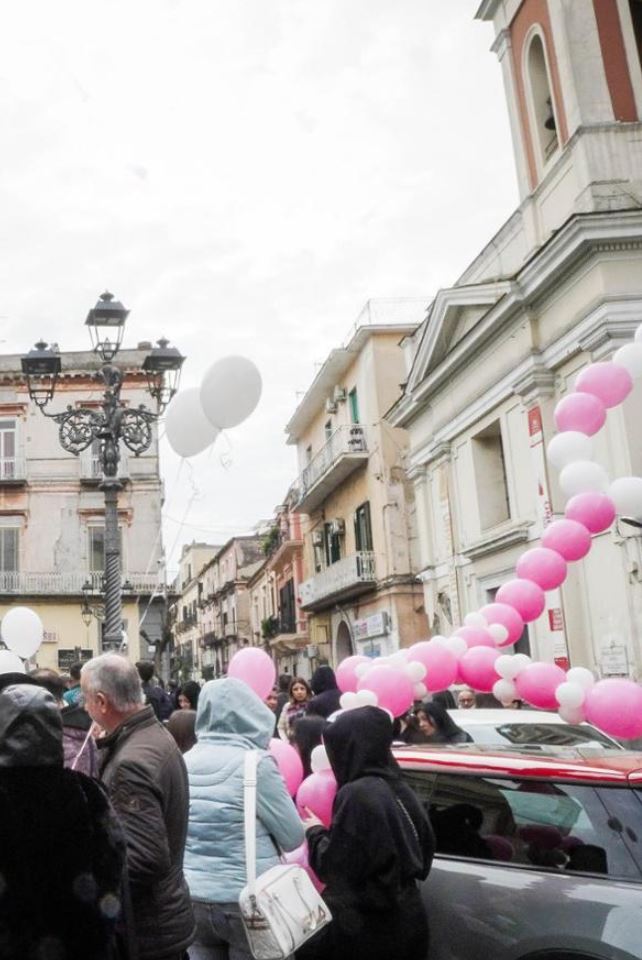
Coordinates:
x,y
544,734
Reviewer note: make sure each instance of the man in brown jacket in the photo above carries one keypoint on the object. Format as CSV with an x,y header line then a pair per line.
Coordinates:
x,y
145,776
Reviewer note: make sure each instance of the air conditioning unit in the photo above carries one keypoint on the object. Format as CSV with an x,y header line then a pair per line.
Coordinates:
x,y
317,538
337,527
339,395
330,406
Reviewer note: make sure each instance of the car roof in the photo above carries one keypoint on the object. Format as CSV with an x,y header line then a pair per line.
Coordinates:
x,y
489,715
566,763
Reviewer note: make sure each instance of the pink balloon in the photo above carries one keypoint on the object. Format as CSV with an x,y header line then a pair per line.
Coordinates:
x,y
525,596
289,763
543,566
317,793
477,668
594,510
440,664
299,858
347,680
607,381
568,537
508,617
537,683
394,688
615,706
580,411
476,637
255,668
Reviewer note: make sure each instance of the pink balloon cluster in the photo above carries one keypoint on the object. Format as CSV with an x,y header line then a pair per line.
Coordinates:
x,y
613,705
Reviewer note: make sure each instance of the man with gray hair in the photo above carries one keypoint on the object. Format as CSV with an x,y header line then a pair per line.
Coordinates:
x,y
145,776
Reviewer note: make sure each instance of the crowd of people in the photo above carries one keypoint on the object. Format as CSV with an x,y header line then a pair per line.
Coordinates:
x,y
121,815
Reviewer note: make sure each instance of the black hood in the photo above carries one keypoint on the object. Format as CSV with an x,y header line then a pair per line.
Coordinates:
x,y
11,679
323,679
30,728
358,745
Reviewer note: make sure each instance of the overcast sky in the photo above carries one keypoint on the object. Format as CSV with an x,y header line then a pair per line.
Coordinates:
x,y
243,175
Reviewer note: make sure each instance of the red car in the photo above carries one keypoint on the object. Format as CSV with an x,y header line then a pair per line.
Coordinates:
x,y
538,857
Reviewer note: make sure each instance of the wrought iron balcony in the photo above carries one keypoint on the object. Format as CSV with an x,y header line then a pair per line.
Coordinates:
x,y
346,578
345,451
69,584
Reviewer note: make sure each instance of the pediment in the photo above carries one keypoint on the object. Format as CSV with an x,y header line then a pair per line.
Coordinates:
x,y
455,312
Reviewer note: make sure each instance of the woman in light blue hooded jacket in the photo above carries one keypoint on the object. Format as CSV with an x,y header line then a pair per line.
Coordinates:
x,y
231,720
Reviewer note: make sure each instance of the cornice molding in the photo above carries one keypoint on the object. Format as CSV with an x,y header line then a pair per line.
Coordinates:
x,y
498,539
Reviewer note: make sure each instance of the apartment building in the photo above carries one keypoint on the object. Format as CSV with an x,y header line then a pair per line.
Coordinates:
x,y
558,287
225,603
186,618
278,621
52,517
360,590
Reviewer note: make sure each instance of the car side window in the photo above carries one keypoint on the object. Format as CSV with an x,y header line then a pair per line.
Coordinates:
x,y
558,826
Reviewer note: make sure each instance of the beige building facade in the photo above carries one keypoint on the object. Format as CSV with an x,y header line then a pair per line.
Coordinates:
x,y
279,623
360,589
52,517
557,288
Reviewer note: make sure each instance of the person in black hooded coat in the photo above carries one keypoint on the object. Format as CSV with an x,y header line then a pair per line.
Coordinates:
x,y
62,851
379,845
326,693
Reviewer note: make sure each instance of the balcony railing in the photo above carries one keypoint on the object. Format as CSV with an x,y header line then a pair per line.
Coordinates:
x,y
31,584
91,470
13,470
342,454
346,578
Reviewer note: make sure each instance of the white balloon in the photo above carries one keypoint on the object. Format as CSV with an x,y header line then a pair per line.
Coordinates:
x,y
505,691
348,701
568,446
456,645
319,759
361,669
510,665
572,714
583,476
22,631
416,671
570,695
399,659
638,334
626,494
187,428
230,391
367,698
476,620
420,691
498,632
581,676
11,662
439,640
630,356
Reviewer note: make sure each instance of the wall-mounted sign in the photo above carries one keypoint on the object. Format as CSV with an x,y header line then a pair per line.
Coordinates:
x,y
614,662
375,626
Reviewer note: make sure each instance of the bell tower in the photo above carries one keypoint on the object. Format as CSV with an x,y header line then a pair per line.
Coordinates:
x,y
573,80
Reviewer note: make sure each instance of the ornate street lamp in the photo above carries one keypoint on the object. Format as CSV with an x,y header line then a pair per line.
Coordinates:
x,y
79,427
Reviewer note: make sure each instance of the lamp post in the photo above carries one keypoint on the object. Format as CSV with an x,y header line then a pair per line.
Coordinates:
x,y
79,427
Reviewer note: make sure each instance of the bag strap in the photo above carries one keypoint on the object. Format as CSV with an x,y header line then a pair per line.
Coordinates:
x,y
249,817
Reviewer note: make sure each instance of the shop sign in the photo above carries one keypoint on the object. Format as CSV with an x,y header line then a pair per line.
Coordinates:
x,y
374,626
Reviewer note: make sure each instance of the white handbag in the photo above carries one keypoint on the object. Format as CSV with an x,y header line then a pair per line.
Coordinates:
x,y
281,909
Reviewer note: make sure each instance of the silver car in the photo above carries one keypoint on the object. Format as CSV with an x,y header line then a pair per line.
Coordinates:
x,y
537,857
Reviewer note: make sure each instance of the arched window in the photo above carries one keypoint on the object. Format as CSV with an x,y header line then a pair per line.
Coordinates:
x,y
541,106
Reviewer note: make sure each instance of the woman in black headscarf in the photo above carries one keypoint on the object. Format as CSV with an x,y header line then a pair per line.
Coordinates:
x,y
379,845
326,693
438,726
